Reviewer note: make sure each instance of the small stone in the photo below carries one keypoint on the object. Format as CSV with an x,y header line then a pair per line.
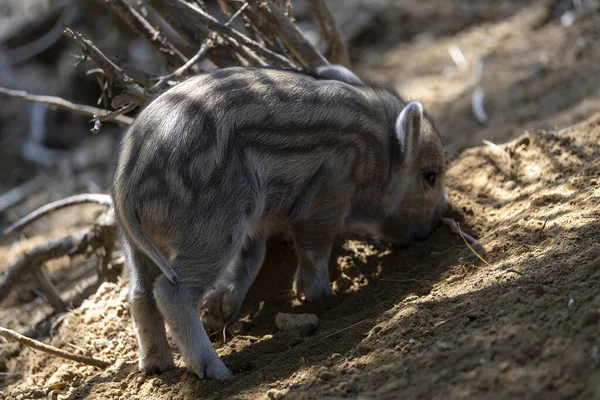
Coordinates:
x,y
326,375
301,324
510,185
275,394
335,356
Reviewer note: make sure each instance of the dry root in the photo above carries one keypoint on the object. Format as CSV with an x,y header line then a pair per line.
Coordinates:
x,y
34,344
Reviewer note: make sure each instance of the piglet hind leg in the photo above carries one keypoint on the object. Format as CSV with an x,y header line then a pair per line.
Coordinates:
x,y
155,355
179,305
223,301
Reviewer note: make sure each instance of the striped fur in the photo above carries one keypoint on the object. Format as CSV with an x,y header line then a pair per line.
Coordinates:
x,y
213,165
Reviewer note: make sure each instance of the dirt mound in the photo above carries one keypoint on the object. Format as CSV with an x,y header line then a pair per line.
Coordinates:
x,y
431,321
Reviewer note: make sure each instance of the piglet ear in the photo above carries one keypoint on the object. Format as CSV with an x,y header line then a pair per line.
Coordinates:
x,y
339,73
408,128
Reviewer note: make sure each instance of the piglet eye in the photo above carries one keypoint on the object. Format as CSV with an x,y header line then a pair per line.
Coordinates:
x,y
430,177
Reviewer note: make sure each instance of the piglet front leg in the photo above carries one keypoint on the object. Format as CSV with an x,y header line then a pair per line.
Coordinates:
x,y
220,304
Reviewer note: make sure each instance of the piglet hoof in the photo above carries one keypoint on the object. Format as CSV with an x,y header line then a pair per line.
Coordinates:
x,y
218,308
156,365
312,290
213,368
217,370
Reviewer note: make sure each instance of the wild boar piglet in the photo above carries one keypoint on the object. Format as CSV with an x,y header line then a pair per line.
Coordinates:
x,y
215,164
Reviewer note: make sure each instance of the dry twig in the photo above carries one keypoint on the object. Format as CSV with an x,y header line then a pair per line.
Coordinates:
x,y
239,39
308,56
453,225
344,329
34,344
336,50
469,246
143,28
79,109
100,119
206,45
191,30
260,29
112,70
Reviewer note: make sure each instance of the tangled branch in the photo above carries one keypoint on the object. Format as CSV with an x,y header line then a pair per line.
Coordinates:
x,y
102,234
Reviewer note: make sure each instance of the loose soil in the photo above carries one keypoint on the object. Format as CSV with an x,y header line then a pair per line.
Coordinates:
x,y
516,316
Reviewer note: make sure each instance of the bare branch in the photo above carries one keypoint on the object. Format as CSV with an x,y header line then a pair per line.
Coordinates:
x,y
238,12
336,50
143,28
112,70
101,199
308,56
34,344
100,235
100,119
206,45
191,30
255,24
201,18
59,102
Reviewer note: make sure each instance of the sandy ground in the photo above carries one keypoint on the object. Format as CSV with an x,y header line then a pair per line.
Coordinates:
x,y
432,321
